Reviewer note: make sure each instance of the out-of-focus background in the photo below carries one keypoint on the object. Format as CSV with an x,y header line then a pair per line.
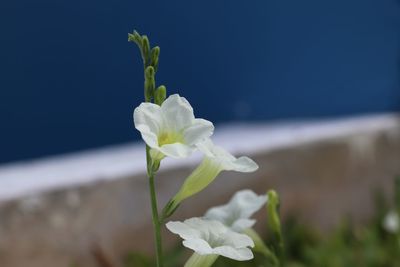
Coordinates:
x,y
70,80
310,90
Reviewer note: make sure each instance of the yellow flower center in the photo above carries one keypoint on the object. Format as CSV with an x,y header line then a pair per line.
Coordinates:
x,y
169,138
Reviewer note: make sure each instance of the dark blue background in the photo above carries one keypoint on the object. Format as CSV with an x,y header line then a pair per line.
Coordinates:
x,y
69,79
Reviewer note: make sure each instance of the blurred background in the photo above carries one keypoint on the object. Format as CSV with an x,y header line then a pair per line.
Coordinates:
x,y
309,89
70,80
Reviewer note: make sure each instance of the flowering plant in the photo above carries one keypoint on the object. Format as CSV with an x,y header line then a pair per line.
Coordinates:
x,y
170,129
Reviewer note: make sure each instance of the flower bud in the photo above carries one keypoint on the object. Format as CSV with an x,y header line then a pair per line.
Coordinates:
x,y
274,221
135,37
146,49
160,95
149,83
272,207
155,52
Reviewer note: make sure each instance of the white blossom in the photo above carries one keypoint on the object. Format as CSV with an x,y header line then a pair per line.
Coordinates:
x,y
171,129
208,237
237,212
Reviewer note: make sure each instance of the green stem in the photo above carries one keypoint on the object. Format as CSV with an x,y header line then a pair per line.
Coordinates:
x,y
155,217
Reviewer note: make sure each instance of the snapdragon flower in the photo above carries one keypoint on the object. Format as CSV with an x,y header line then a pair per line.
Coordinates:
x,y
216,160
212,238
237,212
171,129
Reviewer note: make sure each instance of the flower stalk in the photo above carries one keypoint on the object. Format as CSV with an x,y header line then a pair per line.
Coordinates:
x,y
150,65
156,220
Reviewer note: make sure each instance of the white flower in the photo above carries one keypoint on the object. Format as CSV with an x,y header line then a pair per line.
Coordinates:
x,y
171,129
391,222
216,160
237,212
207,237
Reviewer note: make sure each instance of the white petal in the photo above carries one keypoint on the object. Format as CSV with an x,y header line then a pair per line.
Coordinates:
x,y
149,138
236,213
248,202
201,235
225,159
176,150
148,121
237,240
198,245
242,164
177,112
198,131
183,230
213,151
239,254
220,213
242,224
206,225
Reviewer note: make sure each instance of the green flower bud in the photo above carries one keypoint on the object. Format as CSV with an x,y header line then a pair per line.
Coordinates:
x,y
149,72
135,37
274,221
272,207
146,50
149,83
160,95
155,52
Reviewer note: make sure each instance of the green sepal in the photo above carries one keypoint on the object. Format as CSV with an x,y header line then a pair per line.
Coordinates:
x,y
169,209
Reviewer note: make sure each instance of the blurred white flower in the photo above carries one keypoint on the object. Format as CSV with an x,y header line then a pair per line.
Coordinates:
x,y
171,129
216,160
391,222
237,212
208,237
